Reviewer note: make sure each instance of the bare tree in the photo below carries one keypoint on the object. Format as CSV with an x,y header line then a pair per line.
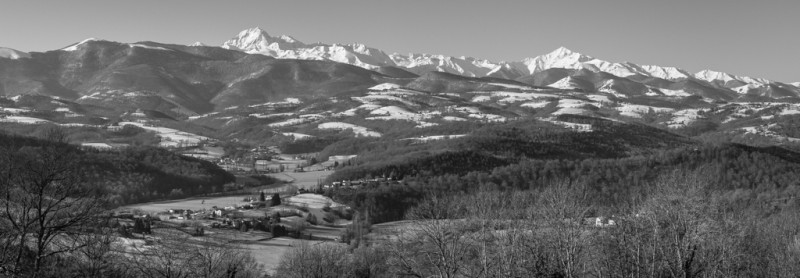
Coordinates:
x,y
319,260
562,207
46,204
176,255
435,244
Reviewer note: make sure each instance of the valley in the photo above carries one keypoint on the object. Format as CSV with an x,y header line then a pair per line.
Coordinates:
x,y
340,158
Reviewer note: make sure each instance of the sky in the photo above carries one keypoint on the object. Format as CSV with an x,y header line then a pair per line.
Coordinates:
x,y
752,38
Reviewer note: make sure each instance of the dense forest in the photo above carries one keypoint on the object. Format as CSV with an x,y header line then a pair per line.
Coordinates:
x,y
491,146
133,174
745,175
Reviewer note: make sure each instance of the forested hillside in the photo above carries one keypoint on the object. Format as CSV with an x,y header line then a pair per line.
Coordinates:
x,y
130,175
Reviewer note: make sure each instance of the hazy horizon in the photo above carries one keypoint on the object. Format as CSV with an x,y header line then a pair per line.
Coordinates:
x,y
736,37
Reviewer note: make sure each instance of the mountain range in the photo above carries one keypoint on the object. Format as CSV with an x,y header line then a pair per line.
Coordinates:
x,y
258,41
283,85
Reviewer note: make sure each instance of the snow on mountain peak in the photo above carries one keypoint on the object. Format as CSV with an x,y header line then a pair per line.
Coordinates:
x,y
13,54
256,40
710,75
716,76
669,73
255,31
562,57
198,44
288,39
562,51
75,46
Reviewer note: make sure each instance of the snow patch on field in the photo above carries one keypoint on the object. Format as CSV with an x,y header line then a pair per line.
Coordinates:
x,y
599,98
297,135
422,124
509,97
286,102
14,110
474,112
23,120
203,116
396,113
481,99
352,112
358,130
765,131
99,146
792,109
450,94
535,104
291,122
454,119
267,116
636,110
574,126
571,106
315,201
745,109
684,117
170,137
384,86
434,137
376,99
488,117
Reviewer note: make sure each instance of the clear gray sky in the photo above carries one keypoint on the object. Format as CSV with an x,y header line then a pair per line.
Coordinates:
x,y
754,38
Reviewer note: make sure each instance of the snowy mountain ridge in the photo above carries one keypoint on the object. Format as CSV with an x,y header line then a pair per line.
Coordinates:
x,y
258,41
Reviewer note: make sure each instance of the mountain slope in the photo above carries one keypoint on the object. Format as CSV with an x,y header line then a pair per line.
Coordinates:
x,y
178,80
13,54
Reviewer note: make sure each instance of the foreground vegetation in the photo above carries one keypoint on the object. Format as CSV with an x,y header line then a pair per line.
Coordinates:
x,y
683,226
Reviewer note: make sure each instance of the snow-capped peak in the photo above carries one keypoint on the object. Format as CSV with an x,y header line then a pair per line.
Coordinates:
x,y
198,44
288,39
562,57
669,73
256,40
710,75
13,54
716,76
796,84
561,52
75,46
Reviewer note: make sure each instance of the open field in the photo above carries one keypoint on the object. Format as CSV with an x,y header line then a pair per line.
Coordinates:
x,y
306,180
194,203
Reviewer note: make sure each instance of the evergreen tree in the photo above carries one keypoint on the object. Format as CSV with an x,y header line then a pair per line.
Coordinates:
x,y
276,199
